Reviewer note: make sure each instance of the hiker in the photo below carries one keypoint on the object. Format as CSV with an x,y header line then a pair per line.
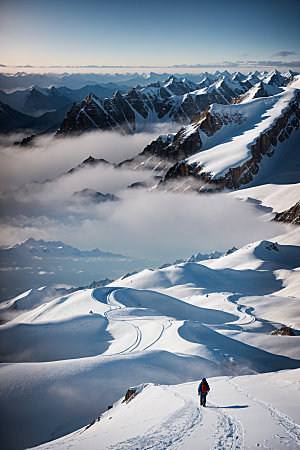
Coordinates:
x,y
203,390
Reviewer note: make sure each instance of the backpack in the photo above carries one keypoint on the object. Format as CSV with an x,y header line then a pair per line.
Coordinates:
x,y
204,387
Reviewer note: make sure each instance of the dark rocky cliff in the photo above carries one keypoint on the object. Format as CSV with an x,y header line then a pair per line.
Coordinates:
x,y
291,215
264,145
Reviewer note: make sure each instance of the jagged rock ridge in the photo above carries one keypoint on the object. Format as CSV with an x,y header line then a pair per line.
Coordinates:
x,y
264,144
173,100
291,215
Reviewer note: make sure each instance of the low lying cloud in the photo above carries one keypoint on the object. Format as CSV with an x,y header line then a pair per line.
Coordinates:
x,y
50,157
160,225
153,224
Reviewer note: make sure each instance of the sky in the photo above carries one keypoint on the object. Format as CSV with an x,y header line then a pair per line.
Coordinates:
x,y
153,33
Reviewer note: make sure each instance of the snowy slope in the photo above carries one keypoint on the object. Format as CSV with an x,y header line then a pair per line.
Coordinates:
x,y
231,145
73,356
65,358
172,417
223,152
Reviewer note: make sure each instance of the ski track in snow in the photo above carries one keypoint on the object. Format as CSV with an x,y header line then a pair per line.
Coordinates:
x,y
175,431
291,428
247,318
170,433
115,305
164,328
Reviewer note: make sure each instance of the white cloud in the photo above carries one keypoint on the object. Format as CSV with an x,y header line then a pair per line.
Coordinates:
x,y
52,157
151,224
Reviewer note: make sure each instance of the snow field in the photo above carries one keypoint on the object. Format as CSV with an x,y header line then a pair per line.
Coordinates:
x,y
170,416
141,336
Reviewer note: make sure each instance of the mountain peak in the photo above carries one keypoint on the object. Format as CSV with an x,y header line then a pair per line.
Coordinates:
x,y
117,94
89,194
91,160
171,79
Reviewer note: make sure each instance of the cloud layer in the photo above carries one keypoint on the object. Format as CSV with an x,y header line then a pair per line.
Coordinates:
x,y
159,225
242,64
52,157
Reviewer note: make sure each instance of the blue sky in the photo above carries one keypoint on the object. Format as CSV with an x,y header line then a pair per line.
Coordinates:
x,y
153,33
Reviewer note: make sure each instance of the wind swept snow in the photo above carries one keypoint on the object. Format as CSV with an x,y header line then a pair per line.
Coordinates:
x,y
172,418
71,357
220,153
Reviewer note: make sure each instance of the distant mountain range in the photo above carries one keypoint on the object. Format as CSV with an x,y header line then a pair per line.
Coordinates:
x,y
23,80
36,100
40,248
224,147
175,100
115,106
200,257
36,263
44,108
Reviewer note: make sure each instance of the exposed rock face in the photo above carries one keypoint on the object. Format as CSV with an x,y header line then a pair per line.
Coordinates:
x,y
166,154
89,162
235,177
258,91
162,153
275,79
174,100
283,331
291,215
130,394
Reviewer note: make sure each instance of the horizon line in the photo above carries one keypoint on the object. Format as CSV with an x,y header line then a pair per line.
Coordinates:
x,y
223,64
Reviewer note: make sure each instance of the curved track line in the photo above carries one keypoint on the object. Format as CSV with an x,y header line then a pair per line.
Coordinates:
x,y
115,305
282,419
245,310
171,432
164,328
229,431
136,342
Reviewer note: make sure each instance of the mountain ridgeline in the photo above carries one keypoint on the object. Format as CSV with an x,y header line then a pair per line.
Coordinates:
x,y
224,147
174,100
127,105
227,124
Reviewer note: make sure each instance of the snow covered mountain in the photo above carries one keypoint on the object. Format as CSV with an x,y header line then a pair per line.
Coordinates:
x,y
226,146
37,100
259,90
23,80
37,263
174,99
40,247
148,102
169,326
